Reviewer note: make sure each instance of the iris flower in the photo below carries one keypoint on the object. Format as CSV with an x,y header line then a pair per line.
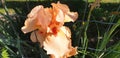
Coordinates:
x,y
48,29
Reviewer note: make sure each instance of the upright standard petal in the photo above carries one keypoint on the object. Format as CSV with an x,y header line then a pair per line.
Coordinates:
x,y
44,18
57,21
69,16
63,7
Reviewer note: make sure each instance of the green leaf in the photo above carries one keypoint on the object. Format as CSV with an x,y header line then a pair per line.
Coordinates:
x,y
4,53
114,51
108,35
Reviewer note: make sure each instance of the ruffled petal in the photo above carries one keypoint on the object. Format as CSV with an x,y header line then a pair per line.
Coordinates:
x,y
30,25
38,18
60,16
34,12
71,17
59,46
66,31
63,7
44,18
30,22
71,52
57,20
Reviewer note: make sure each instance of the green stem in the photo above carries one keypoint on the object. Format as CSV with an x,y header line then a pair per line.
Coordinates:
x,y
85,43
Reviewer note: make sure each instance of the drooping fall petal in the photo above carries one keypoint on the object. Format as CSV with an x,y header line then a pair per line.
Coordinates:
x,y
59,45
66,31
37,36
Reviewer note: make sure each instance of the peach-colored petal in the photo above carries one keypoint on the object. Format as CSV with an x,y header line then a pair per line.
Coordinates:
x,y
57,21
66,31
60,16
36,36
71,17
33,37
63,7
58,45
38,18
33,14
72,52
44,18
30,23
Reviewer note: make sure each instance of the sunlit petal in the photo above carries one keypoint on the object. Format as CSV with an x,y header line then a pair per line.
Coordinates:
x,y
66,31
60,16
58,45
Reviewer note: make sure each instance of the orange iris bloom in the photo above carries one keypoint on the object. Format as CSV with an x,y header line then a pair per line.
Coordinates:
x,y
47,24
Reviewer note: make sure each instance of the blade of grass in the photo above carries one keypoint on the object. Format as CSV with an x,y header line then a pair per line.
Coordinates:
x,y
85,40
98,41
114,51
107,35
